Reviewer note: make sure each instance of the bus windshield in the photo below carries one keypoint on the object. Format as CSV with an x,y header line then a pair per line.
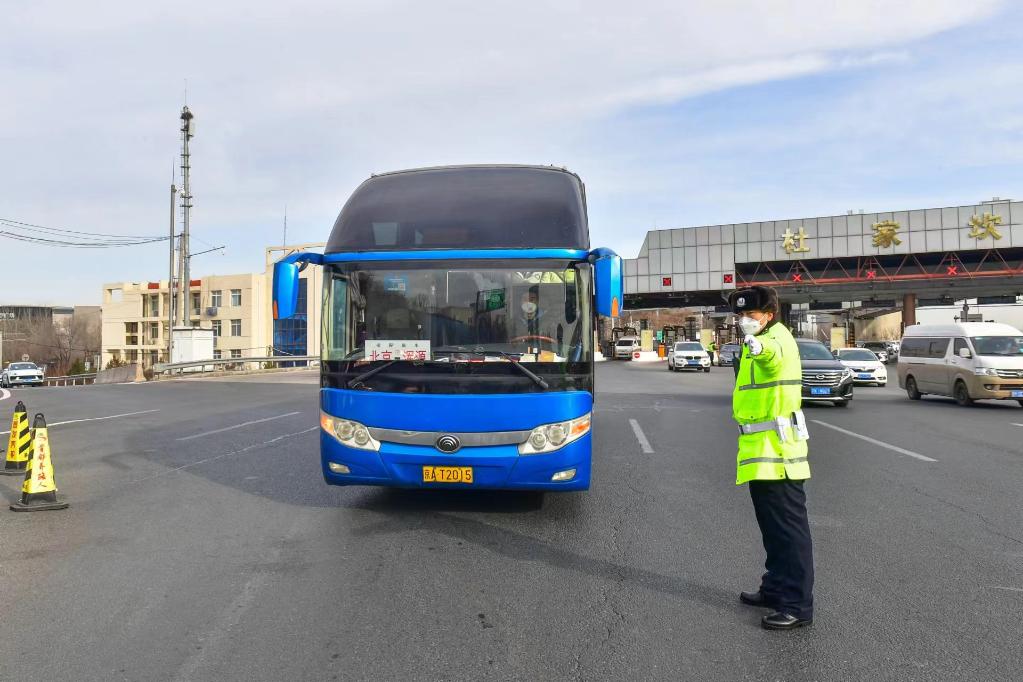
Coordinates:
x,y
451,322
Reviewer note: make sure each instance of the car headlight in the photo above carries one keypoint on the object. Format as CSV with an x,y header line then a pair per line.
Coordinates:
x,y
550,437
347,432
986,371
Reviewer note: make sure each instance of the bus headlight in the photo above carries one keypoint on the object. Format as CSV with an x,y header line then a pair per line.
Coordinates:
x,y
550,437
347,432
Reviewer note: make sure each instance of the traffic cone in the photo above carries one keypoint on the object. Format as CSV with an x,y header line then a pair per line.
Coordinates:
x,y
39,492
19,444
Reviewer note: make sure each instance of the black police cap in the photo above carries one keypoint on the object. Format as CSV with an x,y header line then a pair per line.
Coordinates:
x,y
754,298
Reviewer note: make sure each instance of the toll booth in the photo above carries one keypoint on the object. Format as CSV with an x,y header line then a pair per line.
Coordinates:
x,y
670,334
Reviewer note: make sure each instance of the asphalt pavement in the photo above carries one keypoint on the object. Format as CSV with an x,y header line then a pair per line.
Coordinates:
x,y
202,544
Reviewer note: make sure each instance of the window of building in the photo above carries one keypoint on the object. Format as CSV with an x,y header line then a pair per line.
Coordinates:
x,y
131,355
236,327
154,305
216,298
236,352
131,333
154,357
236,297
217,328
154,332
217,354
195,304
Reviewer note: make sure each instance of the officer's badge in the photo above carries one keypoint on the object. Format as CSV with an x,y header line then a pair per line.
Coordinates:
x,y
740,302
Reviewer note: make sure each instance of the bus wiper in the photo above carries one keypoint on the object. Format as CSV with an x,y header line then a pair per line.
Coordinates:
x,y
513,358
366,375
515,361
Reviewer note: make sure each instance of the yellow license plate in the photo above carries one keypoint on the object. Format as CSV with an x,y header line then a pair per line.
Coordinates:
x,y
447,474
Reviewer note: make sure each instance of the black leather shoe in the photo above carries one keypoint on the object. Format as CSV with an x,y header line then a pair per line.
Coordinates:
x,y
782,621
754,599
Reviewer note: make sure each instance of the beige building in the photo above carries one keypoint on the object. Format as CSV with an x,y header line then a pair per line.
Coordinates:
x,y
236,307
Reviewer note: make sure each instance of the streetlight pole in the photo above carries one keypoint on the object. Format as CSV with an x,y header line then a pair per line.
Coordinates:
x,y
187,133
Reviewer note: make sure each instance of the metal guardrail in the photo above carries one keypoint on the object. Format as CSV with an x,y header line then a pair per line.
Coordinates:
x,y
232,363
71,379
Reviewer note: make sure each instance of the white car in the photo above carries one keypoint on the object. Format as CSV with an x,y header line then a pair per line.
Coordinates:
x,y
21,374
625,347
688,355
866,367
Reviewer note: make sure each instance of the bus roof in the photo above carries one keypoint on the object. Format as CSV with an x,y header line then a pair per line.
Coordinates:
x,y
970,329
464,207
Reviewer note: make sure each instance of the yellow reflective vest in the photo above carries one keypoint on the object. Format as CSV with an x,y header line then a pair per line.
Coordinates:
x,y
769,386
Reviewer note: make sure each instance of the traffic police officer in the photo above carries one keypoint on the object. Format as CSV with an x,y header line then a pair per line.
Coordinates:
x,y
773,457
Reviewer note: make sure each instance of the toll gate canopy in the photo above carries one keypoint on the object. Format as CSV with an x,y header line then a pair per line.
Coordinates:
x,y
957,252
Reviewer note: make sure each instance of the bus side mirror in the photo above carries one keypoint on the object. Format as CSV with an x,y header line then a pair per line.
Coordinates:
x,y
285,290
965,353
607,281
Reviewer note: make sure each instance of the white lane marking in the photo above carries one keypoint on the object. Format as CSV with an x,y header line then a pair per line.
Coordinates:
x,y
226,454
1010,589
4,394
879,443
92,419
644,444
238,426
1015,424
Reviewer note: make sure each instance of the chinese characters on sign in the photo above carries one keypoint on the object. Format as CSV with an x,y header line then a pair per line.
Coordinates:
x,y
983,226
886,233
387,349
794,243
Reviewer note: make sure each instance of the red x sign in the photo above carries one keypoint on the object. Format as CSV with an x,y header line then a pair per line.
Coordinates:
x,y
797,277
729,279
871,274
952,270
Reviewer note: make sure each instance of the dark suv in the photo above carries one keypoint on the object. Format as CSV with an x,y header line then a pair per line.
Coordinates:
x,y
825,379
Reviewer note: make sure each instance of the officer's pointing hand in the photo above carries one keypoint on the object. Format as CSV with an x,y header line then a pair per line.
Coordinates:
x,y
754,345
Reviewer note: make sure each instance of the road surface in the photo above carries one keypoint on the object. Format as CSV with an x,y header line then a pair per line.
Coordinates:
x,y
202,544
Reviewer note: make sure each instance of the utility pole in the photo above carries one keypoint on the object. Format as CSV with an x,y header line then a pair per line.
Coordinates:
x,y
187,133
170,279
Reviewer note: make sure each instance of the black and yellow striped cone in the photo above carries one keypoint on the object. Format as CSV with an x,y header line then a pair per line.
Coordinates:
x,y
19,444
39,491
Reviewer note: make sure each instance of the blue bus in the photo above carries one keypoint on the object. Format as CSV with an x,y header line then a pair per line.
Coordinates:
x,y
459,308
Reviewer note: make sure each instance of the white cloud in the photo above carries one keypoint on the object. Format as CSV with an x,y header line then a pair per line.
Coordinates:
x,y
297,102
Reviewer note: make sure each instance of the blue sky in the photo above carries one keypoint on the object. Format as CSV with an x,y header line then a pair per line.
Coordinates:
x,y
674,114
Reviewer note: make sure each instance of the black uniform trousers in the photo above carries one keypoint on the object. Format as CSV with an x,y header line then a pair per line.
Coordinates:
x,y
780,507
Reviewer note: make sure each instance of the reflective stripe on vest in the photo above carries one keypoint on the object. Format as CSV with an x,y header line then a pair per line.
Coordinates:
x,y
772,384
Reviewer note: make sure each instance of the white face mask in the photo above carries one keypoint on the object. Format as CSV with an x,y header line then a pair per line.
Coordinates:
x,y
529,308
749,325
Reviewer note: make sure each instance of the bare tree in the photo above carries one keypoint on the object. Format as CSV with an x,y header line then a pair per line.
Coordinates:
x,y
55,345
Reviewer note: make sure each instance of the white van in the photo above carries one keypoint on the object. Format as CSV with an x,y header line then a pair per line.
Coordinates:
x,y
969,361
625,346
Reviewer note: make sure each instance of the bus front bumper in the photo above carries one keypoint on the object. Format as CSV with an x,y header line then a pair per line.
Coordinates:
x,y
493,467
